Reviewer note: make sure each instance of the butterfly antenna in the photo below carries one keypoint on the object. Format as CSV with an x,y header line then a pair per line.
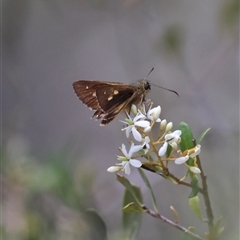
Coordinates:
x,y
170,90
149,73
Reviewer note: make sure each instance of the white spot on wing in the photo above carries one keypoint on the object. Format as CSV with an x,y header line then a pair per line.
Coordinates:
x,y
115,92
94,94
109,98
87,87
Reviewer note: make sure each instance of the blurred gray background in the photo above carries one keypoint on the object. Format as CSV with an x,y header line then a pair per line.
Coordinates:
x,y
193,46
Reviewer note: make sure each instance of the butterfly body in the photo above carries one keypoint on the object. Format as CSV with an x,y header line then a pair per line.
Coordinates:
x,y
110,98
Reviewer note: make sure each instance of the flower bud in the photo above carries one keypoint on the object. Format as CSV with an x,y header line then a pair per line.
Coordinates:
x,y
195,170
163,124
114,169
134,109
169,126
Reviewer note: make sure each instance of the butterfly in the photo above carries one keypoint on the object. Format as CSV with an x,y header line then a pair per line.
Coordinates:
x,y
108,99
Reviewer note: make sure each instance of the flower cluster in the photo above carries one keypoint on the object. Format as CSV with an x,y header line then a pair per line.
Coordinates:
x,y
165,147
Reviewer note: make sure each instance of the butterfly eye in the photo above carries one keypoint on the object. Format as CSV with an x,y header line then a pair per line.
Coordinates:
x,y
147,85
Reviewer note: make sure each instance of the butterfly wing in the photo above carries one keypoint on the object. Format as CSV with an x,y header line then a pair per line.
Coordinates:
x,y
119,98
112,97
86,92
107,98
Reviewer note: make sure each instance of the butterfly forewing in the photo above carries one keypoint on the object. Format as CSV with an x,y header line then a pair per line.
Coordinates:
x,y
108,98
86,92
112,97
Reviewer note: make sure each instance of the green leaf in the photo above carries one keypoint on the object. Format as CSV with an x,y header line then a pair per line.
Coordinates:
x,y
195,187
186,137
186,140
169,150
145,179
137,197
96,227
132,213
202,135
194,205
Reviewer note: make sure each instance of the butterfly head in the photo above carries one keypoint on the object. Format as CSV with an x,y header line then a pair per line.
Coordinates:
x,y
145,85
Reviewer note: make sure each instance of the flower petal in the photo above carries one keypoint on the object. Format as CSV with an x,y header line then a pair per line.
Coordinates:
x,y
155,112
173,137
147,129
169,137
146,140
142,123
163,149
128,130
127,168
134,149
177,133
124,151
135,163
137,136
138,116
181,160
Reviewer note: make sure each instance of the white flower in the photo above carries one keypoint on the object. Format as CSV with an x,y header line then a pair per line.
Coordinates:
x,y
133,123
172,139
132,150
190,153
127,158
197,150
145,144
154,113
126,165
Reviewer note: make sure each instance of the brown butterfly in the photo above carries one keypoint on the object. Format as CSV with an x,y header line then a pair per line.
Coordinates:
x,y
108,99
